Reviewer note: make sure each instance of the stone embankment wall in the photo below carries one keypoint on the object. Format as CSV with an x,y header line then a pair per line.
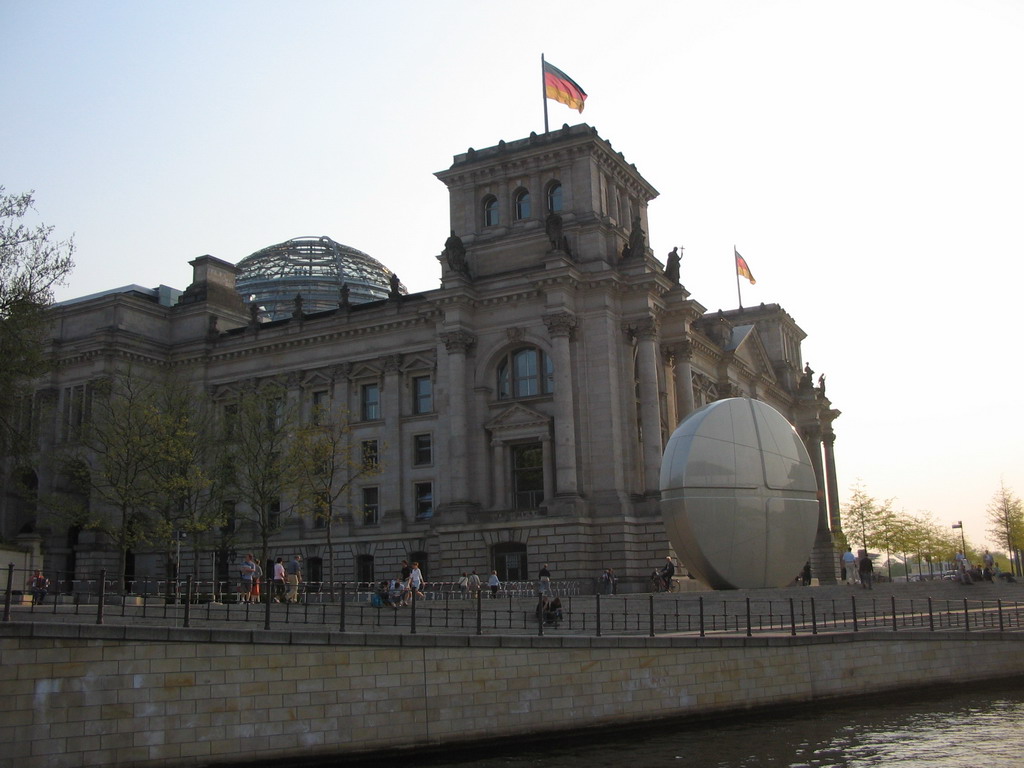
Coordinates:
x,y
101,695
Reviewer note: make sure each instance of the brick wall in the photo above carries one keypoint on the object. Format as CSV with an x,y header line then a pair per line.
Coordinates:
x,y
102,695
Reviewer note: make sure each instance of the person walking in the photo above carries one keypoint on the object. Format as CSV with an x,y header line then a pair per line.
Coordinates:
x,y
494,583
474,583
293,577
866,571
416,581
849,561
544,581
279,580
608,582
247,571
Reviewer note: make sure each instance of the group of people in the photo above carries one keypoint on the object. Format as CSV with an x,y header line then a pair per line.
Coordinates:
x,y
854,569
286,579
399,592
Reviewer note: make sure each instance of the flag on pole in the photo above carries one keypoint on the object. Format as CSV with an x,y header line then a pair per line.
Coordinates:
x,y
562,88
742,269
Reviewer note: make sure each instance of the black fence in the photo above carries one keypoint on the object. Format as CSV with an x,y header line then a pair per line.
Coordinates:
x,y
514,609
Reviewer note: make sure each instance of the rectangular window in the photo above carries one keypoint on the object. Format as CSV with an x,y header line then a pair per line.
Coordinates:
x,y
227,517
424,500
371,402
274,516
323,510
527,476
371,453
320,403
230,419
422,450
423,394
371,506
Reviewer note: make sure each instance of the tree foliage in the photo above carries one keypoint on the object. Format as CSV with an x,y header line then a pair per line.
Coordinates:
x,y
866,521
32,264
328,464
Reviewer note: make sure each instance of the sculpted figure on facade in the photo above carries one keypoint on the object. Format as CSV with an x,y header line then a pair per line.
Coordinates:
x,y
455,254
672,266
637,239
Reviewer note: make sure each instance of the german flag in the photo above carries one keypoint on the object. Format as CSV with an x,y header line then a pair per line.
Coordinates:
x,y
562,88
742,269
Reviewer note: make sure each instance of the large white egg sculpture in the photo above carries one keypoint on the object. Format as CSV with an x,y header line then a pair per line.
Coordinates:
x,y
738,495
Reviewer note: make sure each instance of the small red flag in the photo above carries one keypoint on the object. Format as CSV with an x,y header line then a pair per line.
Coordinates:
x,y
742,269
562,88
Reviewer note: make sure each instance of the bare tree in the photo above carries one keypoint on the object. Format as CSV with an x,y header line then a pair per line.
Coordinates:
x,y
189,485
328,465
1006,516
123,442
259,427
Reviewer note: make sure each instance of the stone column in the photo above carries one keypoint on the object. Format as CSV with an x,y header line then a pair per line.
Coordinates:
x,y
650,412
499,472
561,326
391,492
549,476
341,403
458,344
831,481
823,559
684,378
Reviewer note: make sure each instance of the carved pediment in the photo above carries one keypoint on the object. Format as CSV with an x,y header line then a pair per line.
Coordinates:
x,y
519,421
418,362
746,346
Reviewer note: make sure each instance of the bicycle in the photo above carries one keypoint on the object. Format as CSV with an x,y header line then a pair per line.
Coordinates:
x,y
660,584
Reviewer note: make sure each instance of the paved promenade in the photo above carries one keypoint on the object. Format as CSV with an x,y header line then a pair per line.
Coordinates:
x,y
932,605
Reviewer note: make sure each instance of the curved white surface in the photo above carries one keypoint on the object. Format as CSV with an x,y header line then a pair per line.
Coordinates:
x,y
738,495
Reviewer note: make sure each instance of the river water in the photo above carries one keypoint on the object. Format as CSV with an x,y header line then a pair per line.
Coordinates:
x,y
975,725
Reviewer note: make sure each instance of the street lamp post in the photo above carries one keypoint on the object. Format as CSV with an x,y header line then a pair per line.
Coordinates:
x,y
963,542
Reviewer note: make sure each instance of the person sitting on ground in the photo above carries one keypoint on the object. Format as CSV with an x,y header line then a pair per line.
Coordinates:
x,y
553,612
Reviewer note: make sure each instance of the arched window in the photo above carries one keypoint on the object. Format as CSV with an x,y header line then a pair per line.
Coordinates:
x,y
491,217
555,197
525,372
522,205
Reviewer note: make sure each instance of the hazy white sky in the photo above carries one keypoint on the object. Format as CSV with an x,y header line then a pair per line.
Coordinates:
x,y
865,157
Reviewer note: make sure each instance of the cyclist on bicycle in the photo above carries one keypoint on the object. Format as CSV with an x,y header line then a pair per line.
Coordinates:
x,y
667,572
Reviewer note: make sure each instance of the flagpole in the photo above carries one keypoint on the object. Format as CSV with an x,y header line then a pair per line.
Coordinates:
x,y
544,92
736,269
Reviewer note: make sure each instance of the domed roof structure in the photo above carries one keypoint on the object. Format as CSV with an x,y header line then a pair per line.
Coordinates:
x,y
315,268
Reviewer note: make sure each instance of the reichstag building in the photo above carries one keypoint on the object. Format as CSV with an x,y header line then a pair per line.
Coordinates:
x,y
520,410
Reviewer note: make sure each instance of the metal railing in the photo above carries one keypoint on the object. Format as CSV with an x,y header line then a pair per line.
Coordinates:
x,y
516,609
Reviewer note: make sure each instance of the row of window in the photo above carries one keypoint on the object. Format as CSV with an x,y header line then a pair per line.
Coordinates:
x,y
524,372
423,502
509,559
522,205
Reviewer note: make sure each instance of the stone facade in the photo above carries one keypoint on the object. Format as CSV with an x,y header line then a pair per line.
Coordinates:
x,y
133,696
520,409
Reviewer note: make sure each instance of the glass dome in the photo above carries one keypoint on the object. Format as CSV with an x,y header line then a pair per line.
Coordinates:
x,y
315,268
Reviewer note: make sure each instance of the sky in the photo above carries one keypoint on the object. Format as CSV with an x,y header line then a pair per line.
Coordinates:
x,y
866,158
